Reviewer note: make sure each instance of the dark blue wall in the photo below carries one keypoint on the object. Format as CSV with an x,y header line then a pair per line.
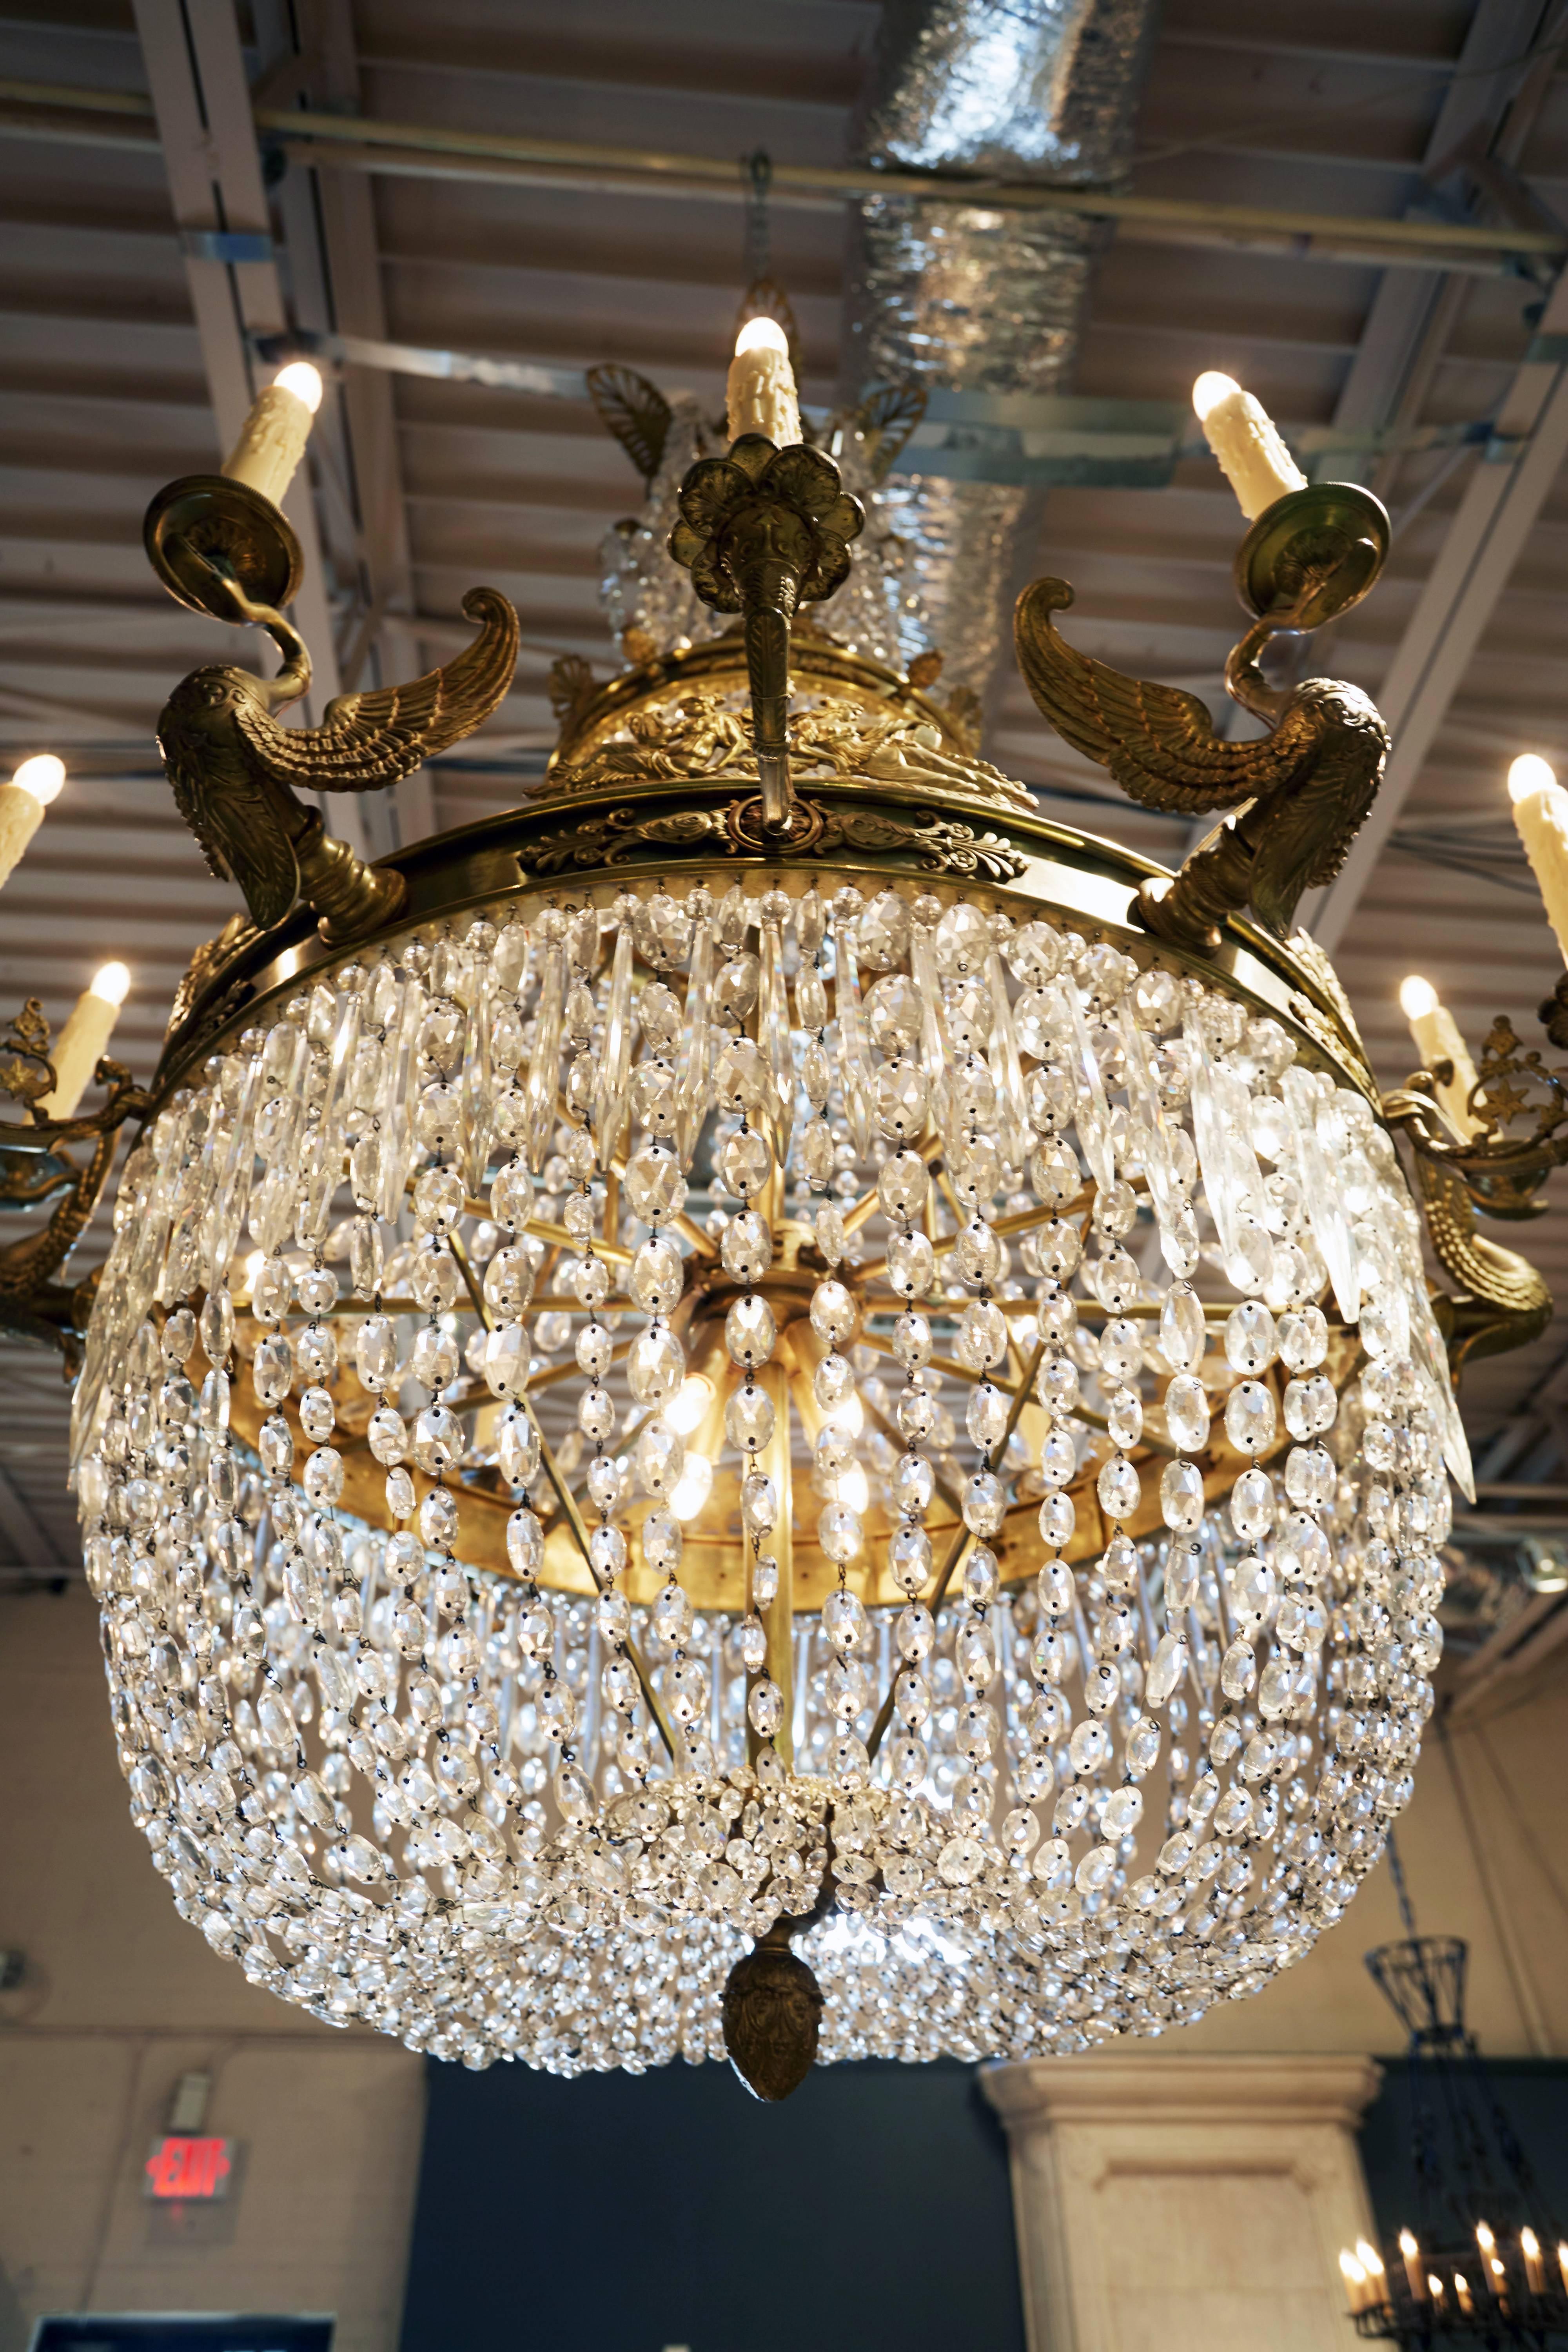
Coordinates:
x,y
870,2210
1533,2095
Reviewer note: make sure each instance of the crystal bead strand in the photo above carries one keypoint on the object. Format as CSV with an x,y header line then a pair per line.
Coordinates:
x,y
840,1531
814,1145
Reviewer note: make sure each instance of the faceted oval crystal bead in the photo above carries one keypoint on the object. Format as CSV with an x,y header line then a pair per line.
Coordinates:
x,y
317,1414
981,1339
963,941
323,1477
660,1456
760,1505
655,1187
1187,1412
1249,1338
1303,1339
1119,1488
1058,1457
893,1013
834,1314
749,1418
882,934
658,1276
1252,1504
843,1620
985,1416
903,1183
740,1076
508,1356
764,1708
837,1531
984,1504
1182,1334
438,1200
1310,1477
978,1253
1123,1811
272,1369
1239,1672
1167,1668
899,1098
746,1246
744,1161
1058,1247
1249,1417
655,1364
438,1440
1124,1417
1057,1519
910,1558
833,1382
835,1448
433,1360
387,1435
912,1265
1309,1405
1253,1590
750,1330
1116,1280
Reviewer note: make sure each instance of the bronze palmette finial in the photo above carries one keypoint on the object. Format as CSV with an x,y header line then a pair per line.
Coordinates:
x,y
762,532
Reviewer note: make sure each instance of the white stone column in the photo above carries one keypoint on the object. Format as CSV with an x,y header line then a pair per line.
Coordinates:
x,y
1167,2203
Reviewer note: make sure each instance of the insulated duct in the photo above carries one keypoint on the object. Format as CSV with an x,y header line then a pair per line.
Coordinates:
x,y
983,300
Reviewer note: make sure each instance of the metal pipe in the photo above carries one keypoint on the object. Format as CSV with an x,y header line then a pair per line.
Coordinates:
x,y
65,113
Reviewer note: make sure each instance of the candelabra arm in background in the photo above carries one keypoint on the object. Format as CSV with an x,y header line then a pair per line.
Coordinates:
x,y
34,1168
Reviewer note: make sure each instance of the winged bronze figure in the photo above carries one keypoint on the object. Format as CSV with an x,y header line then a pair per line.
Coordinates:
x,y
1294,800
234,769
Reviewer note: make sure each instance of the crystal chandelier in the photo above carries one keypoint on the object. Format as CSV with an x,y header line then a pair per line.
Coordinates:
x,y
769,1403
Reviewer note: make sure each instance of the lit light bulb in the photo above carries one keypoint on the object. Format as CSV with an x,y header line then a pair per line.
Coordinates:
x,y
42,775
1369,2260
761,334
853,1489
1417,997
1483,2238
688,1405
303,381
693,1486
1210,389
1529,774
112,983
1407,2245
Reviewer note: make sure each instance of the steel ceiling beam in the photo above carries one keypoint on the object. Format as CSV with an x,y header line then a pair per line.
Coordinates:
x,y
1495,93
201,101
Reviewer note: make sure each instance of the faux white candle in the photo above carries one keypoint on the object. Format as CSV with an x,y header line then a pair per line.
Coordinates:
x,y
1541,813
273,438
1437,1039
22,805
760,396
1239,430
81,1040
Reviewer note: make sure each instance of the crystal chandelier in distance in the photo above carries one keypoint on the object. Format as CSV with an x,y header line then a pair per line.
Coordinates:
x,y
767,1403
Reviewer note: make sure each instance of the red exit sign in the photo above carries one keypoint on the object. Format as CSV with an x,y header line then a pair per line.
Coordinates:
x,y
181,2170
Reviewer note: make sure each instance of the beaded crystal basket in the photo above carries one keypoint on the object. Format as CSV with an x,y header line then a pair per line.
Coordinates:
x,y
699,1391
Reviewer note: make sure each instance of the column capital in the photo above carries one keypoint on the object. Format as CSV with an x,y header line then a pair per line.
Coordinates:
x,y
1121,2086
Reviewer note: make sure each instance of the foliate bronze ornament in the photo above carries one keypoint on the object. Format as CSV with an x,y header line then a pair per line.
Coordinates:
x,y
741,828
772,2012
704,737
1522,1109
762,531
34,1168
1296,799
233,768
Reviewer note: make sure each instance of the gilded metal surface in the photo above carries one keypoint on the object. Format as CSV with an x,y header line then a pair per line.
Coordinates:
x,y
36,1168
205,529
938,844
232,769
1297,797
762,532
1313,554
1501,1301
